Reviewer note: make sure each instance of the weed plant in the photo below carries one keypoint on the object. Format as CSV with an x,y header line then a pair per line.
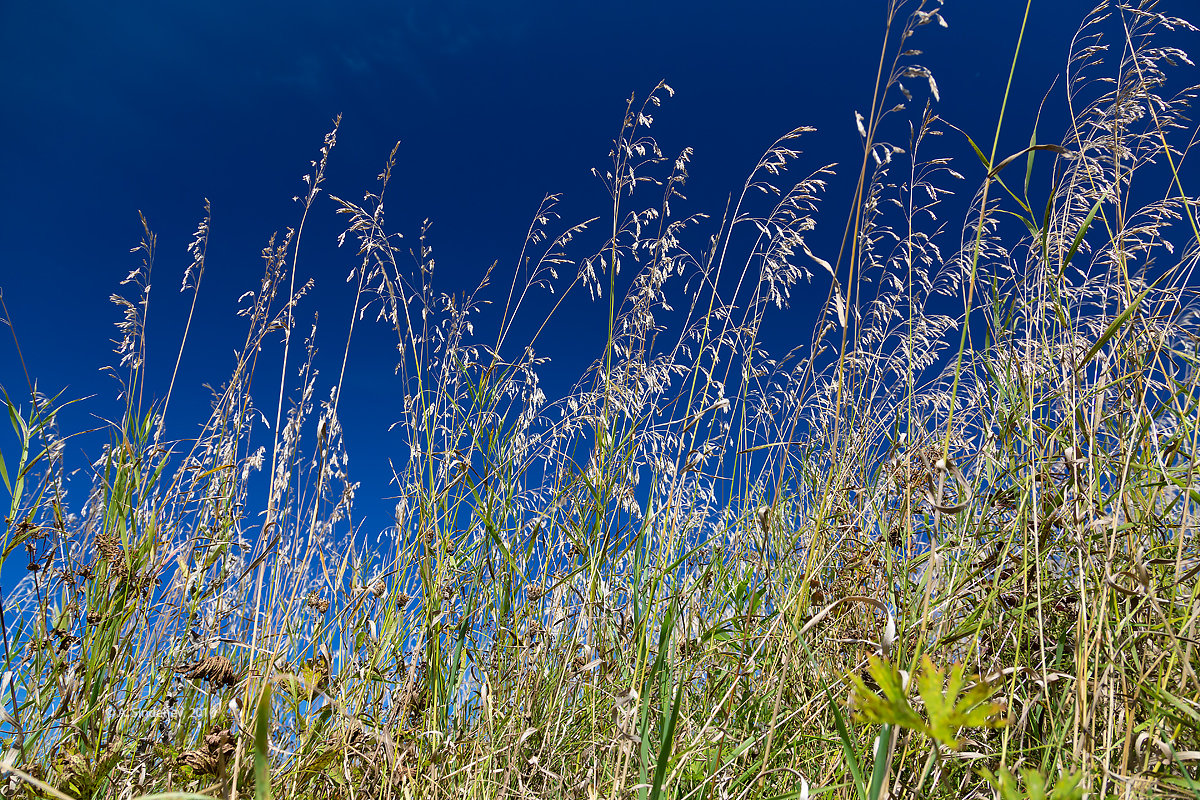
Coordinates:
x,y
947,547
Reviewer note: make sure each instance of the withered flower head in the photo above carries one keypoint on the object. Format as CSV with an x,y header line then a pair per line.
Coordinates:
x,y
313,600
414,701
217,670
208,760
110,551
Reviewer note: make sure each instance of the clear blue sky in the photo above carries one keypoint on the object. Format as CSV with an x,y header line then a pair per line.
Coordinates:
x,y
114,107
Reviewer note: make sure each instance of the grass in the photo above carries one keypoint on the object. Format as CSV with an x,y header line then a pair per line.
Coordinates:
x,y
945,548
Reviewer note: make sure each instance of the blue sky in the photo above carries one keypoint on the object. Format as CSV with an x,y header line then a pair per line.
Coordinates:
x,y
111,108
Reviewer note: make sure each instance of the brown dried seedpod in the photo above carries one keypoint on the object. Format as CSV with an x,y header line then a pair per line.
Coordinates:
x,y
110,550
84,775
314,601
217,670
209,760
26,529
414,701
201,761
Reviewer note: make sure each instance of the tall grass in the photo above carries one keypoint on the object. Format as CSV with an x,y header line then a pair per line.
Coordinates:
x,y
944,548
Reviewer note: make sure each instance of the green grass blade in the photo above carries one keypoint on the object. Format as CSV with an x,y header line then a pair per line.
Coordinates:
x,y
664,750
1113,327
1083,229
4,475
1029,159
847,744
878,774
262,724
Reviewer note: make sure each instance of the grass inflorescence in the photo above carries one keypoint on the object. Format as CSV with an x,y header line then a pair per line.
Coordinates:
x,y
946,547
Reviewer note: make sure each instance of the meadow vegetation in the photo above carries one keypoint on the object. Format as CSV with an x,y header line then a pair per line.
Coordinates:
x,y
944,547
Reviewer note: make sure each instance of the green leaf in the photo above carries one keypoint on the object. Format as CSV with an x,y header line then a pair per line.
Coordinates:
x,y
1087,223
952,708
1006,784
893,707
262,722
1029,160
1113,327
949,703
847,745
1035,784
883,746
4,475
664,751
987,164
1067,787
1033,147
18,424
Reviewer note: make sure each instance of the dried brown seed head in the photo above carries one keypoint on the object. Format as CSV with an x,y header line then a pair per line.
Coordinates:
x,y
211,758
110,550
217,670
